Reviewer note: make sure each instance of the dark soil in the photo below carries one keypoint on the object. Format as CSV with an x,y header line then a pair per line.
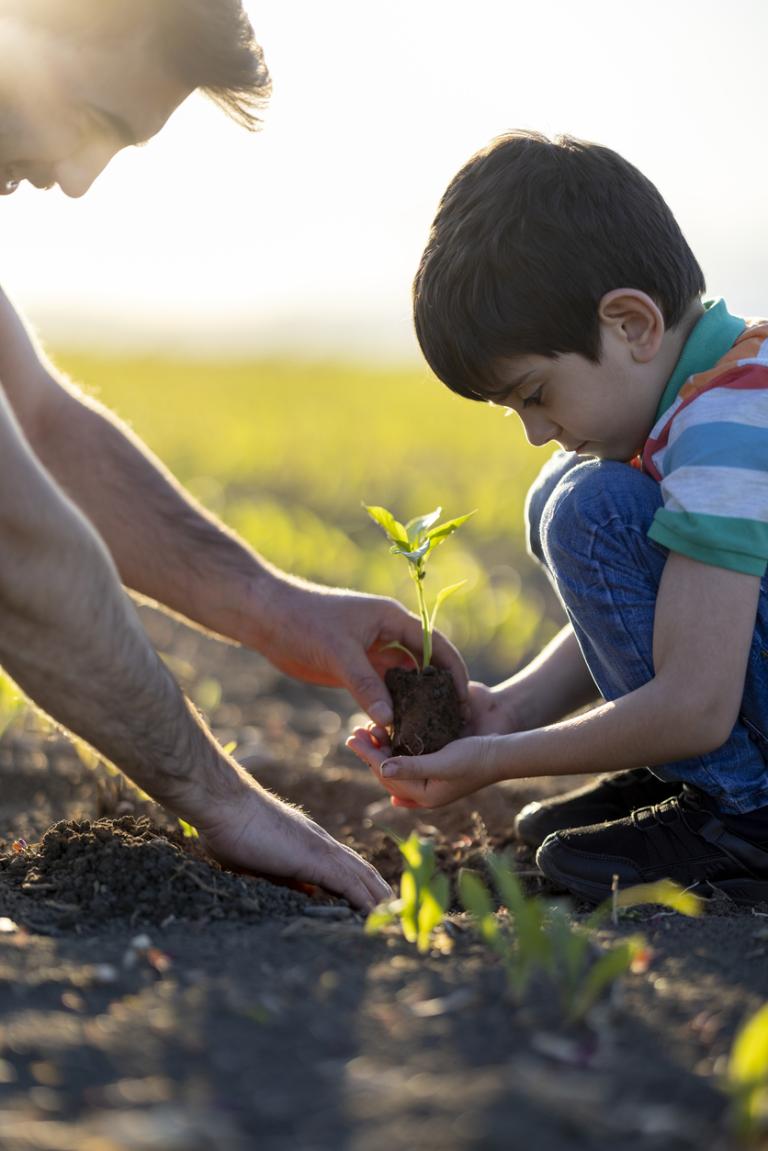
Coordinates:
x,y
150,1001
427,713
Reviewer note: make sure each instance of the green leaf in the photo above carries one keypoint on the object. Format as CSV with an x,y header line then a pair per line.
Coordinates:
x,y
474,895
415,528
431,913
382,916
664,891
395,646
412,554
605,971
188,830
391,526
409,906
441,597
748,1062
442,531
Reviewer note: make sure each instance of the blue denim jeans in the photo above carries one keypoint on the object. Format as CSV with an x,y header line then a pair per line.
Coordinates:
x,y
587,524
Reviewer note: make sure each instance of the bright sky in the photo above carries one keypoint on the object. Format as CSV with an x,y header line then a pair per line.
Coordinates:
x,y
306,236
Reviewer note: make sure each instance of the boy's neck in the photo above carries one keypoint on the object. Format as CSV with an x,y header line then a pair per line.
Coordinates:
x,y
675,340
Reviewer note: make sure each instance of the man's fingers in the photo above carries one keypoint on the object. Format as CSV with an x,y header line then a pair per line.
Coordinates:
x,y
362,682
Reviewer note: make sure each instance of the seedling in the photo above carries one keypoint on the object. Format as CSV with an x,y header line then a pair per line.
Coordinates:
x,y
12,702
424,896
546,941
747,1077
416,541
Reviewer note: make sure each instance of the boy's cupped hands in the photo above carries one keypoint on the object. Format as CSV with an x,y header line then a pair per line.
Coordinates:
x,y
458,769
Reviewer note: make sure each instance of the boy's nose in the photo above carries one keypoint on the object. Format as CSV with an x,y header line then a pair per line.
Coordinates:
x,y
538,430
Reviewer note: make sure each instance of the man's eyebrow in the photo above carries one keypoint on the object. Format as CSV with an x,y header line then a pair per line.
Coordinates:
x,y
120,126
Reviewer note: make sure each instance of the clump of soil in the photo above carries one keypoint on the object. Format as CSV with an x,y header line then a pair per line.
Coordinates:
x,y
427,713
86,873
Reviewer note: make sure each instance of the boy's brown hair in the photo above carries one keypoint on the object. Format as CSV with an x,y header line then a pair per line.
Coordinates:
x,y
529,236
206,44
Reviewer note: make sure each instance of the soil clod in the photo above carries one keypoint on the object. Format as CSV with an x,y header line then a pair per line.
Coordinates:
x,y
427,713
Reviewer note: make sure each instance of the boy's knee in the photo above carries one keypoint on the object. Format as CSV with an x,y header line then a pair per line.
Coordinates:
x,y
597,498
542,491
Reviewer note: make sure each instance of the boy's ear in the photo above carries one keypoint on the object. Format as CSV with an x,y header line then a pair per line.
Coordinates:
x,y
634,318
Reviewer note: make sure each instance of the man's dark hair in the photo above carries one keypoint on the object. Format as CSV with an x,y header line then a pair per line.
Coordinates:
x,y
206,44
528,238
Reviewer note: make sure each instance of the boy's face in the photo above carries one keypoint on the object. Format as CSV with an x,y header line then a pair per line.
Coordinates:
x,y
605,409
67,108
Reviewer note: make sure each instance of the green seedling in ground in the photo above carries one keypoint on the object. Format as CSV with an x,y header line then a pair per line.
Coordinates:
x,y
424,895
416,541
746,1078
543,939
12,702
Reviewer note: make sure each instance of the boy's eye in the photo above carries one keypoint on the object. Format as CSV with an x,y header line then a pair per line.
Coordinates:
x,y
533,400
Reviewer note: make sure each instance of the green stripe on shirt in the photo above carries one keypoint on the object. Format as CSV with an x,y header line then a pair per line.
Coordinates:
x,y
723,541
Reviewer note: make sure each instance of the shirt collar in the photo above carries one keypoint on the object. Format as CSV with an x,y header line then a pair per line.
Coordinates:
x,y
714,334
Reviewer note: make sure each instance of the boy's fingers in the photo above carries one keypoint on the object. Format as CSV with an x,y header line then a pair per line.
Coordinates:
x,y
409,767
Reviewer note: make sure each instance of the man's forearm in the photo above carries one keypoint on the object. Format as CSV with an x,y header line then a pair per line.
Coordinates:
x,y
70,637
165,546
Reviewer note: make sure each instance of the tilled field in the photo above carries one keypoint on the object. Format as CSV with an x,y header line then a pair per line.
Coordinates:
x,y
150,1001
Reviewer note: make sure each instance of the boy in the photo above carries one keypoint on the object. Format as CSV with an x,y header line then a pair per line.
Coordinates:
x,y
557,283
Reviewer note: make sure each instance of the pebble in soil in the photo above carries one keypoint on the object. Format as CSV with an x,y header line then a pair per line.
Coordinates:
x,y
94,873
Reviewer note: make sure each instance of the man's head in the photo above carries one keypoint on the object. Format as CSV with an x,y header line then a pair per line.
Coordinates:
x,y
81,79
532,245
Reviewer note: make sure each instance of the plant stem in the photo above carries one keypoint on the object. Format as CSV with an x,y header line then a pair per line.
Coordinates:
x,y
418,575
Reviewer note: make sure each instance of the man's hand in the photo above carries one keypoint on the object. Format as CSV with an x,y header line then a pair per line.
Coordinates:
x,y
255,832
339,639
433,780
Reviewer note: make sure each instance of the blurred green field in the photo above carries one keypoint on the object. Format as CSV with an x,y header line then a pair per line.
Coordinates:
x,y
286,453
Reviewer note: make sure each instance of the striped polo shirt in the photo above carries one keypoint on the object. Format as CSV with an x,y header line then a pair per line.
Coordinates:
x,y
709,446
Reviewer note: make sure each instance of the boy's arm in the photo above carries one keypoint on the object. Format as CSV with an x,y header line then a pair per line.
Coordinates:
x,y
554,684
704,624
71,638
168,548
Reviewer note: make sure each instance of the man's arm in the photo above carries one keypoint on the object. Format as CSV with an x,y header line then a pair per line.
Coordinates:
x,y
704,623
168,548
71,639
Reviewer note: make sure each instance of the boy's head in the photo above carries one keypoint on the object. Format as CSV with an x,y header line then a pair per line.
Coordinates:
x,y
532,242
81,79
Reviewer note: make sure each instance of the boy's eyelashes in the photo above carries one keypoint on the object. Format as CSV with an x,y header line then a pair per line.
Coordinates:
x,y
533,400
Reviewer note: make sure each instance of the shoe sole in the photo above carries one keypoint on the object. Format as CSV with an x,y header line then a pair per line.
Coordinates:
x,y
744,892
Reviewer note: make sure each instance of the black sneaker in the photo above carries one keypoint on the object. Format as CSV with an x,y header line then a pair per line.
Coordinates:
x,y
678,839
607,798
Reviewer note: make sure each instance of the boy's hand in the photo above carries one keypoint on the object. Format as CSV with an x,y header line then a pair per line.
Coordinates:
x,y
428,780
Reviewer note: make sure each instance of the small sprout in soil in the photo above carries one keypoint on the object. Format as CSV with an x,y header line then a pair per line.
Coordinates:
x,y
544,940
416,541
188,830
12,702
424,896
746,1078
427,714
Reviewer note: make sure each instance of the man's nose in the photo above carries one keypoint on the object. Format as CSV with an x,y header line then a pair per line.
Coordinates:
x,y
76,174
